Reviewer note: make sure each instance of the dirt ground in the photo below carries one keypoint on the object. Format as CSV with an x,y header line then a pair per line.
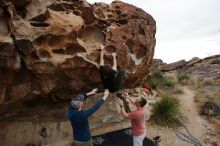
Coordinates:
x,y
206,132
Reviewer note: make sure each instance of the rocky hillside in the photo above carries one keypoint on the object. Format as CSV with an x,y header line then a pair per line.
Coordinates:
x,y
196,85
202,76
207,68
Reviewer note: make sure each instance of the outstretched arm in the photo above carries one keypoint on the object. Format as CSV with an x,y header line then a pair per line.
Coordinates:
x,y
114,61
131,115
95,107
85,95
92,92
129,98
123,112
102,55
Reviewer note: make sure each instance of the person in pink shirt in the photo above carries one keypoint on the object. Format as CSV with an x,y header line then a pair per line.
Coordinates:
x,y
138,118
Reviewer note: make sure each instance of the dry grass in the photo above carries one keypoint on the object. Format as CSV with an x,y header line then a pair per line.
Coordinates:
x,y
182,77
206,90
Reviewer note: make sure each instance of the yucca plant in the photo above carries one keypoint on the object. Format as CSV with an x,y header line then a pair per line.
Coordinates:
x,y
166,111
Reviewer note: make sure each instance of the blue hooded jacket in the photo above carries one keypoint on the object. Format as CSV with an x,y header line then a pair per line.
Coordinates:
x,y
79,121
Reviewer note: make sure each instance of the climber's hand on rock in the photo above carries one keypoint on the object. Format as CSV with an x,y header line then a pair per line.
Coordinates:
x,y
114,54
102,47
94,91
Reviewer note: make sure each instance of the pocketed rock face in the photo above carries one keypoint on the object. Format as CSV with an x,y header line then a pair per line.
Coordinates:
x,y
50,47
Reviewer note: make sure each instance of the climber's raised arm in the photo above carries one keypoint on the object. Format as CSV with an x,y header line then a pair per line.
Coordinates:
x,y
102,55
114,61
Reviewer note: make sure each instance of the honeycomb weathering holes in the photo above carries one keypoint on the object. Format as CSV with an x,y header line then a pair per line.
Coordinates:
x,y
74,48
138,49
141,31
39,24
41,17
52,50
54,40
3,27
44,53
91,35
110,49
56,7
141,52
59,51
25,46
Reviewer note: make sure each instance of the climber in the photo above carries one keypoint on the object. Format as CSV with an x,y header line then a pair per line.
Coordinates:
x,y
111,77
79,118
138,118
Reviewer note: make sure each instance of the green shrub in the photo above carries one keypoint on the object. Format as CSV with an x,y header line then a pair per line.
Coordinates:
x,y
182,76
153,83
158,75
168,83
166,111
215,62
158,80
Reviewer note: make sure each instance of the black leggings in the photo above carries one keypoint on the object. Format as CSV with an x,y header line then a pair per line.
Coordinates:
x,y
112,82
118,82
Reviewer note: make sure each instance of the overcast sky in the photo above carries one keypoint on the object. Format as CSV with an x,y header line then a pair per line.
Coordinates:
x,y
185,28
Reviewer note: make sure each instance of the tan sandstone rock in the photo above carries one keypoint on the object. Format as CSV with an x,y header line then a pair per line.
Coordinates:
x,y
48,54
56,42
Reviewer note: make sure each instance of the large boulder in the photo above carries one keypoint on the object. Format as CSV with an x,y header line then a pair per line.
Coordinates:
x,y
51,46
